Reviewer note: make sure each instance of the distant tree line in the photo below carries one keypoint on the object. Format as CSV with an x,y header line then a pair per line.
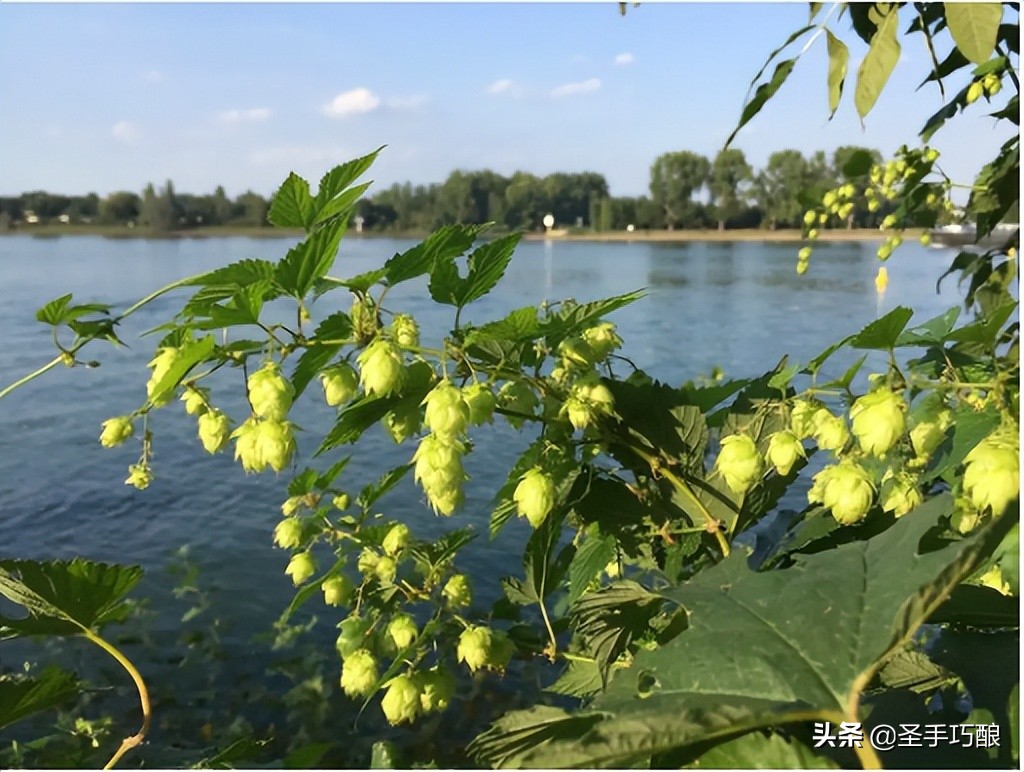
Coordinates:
x,y
687,190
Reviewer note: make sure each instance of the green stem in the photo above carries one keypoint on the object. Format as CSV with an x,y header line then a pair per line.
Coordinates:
x,y
136,739
35,374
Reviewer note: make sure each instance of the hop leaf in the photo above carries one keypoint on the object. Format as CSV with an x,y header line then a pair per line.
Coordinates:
x,y
359,673
340,383
576,354
401,702
161,365
116,431
739,463
352,637
534,496
517,397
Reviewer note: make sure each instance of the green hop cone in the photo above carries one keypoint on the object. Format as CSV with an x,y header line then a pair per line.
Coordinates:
x,y
401,702
405,331
301,567
974,91
437,687
352,637
992,84
602,339
386,570
341,501
783,451
270,393
340,384
139,476
288,533
382,368
246,448
447,413
116,430
438,468
291,505
517,397
993,578
929,420
337,590
844,488
878,420
739,463
578,411
481,402
195,400
992,472
899,493
830,431
161,365
534,496
275,443
458,592
396,539
402,630
474,647
801,417
403,422
359,674
576,354
214,431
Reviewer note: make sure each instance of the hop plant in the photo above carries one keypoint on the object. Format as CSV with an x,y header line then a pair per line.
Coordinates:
x,y
396,539
802,417
783,451
161,365
402,630
245,437
992,472
846,489
382,368
739,463
340,383
438,468
576,354
367,563
275,444
352,637
602,339
401,702
288,533
386,570
517,397
878,420
341,501
116,431
457,591
359,673
482,647
929,420
447,413
214,431
830,431
301,567
481,402
993,578
337,590
534,496
437,687
270,393
139,476
195,399
899,493
403,422
405,331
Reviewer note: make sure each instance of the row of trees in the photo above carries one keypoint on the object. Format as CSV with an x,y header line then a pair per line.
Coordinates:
x,y
687,190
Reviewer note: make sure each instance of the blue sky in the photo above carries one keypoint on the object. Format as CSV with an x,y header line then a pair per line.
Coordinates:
x,y
108,97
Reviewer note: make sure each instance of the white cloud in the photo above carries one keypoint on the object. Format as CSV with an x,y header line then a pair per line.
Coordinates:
x,y
123,131
571,89
502,86
153,76
408,103
354,102
252,115
624,58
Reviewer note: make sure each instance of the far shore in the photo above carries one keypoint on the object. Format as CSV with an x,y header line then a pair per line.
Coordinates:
x,y
665,236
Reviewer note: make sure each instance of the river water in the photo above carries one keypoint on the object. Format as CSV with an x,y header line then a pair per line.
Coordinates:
x,y
738,306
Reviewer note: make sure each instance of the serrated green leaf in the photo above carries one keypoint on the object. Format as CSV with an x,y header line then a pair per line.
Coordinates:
x,y
759,751
878,62
838,59
292,205
64,597
302,483
338,210
815,364
370,494
911,669
307,756
22,695
190,354
238,274
520,325
761,96
53,312
943,114
596,552
581,679
818,637
309,260
364,281
327,341
573,320
446,243
931,332
974,27
486,267
882,334
858,164
355,419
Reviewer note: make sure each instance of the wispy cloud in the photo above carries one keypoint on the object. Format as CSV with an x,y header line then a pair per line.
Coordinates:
x,y
123,131
153,76
571,89
408,103
354,102
503,86
624,58
252,115
297,154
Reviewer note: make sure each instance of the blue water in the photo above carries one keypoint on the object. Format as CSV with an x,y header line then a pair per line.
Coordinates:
x,y
736,306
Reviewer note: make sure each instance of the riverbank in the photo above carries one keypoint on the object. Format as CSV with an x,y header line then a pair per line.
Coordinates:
x,y
784,236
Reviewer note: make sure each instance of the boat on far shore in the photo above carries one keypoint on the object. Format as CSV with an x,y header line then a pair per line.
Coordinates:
x,y
965,234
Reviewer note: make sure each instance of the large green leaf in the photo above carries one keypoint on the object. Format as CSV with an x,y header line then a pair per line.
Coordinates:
x,y
189,355
309,260
974,27
64,597
327,341
577,317
765,649
759,751
292,205
446,243
838,59
486,267
339,178
883,333
763,93
23,695
879,61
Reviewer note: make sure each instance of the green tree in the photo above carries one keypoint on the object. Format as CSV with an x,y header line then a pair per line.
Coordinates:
x,y
777,186
675,177
729,171
251,209
120,207
860,214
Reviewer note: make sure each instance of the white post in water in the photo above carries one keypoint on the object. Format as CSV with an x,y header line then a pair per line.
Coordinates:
x,y
549,222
